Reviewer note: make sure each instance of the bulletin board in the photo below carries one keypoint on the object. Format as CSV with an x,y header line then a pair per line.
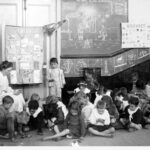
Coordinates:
x,y
24,47
92,27
135,35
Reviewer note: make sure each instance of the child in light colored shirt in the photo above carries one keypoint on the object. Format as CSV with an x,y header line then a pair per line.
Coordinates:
x,y
82,86
99,121
56,78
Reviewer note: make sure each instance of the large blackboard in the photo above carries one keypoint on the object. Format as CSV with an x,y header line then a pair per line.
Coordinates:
x,y
92,27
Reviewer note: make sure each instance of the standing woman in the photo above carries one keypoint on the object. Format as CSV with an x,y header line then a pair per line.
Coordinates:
x,y
5,89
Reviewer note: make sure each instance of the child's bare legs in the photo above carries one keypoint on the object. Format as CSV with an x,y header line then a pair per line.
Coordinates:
x,y
135,126
10,126
95,132
110,130
57,135
56,129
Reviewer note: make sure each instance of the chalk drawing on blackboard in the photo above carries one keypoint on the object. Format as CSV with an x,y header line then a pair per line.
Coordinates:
x,y
131,57
87,44
120,8
119,61
106,67
95,23
102,33
143,53
67,66
79,65
95,63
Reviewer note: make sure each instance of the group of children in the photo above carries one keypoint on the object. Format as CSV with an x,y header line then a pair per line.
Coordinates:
x,y
110,111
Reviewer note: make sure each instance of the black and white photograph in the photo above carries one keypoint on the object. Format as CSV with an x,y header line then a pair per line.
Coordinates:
x,y
74,73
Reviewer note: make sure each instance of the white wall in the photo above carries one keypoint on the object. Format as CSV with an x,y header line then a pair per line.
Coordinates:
x,y
139,11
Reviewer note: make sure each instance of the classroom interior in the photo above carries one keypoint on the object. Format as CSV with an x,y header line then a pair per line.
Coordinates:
x,y
54,28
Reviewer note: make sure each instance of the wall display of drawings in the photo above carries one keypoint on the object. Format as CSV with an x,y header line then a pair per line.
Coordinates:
x,y
24,47
135,35
109,66
92,27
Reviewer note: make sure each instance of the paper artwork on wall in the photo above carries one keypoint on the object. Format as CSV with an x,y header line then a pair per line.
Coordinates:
x,y
135,35
24,47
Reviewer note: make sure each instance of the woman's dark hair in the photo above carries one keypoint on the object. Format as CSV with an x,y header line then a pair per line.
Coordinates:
x,y
5,65
134,100
53,60
7,100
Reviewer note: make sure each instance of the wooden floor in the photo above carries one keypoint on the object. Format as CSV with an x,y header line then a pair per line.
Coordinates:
x,y
121,138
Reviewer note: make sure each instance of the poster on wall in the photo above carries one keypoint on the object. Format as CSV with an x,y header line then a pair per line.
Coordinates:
x,y
24,47
135,35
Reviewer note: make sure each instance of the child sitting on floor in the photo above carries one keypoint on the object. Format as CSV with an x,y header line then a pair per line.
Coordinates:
x,y
86,107
7,119
133,116
112,110
120,102
99,121
74,126
82,86
36,116
54,116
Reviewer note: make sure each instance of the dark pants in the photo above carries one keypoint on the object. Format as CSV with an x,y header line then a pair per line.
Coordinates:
x,y
37,123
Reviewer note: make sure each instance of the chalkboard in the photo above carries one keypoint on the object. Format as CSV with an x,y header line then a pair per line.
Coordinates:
x,y
24,47
92,27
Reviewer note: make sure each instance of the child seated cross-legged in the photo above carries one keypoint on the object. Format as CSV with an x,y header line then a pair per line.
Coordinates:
x,y
74,126
99,121
133,117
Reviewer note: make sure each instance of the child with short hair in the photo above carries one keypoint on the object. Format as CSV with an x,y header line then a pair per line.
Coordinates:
x,y
74,126
7,119
133,117
99,121
56,78
54,117
120,102
86,107
82,86
35,96
36,115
